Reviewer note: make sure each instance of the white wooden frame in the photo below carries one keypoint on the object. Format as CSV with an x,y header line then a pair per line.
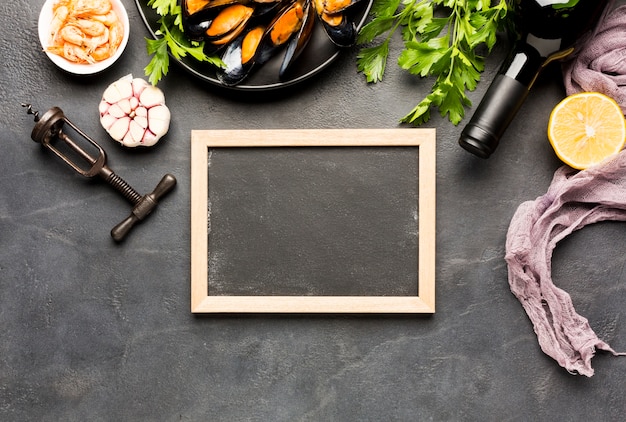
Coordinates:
x,y
203,140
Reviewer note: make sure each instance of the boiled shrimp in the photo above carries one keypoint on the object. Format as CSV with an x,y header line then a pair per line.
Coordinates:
x,y
91,7
85,31
59,17
77,54
116,33
101,53
73,35
109,19
93,28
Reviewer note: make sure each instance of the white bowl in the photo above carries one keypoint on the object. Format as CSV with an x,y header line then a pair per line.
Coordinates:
x,y
45,19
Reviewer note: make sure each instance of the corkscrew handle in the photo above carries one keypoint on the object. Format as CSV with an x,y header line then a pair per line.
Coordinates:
x,y
143,207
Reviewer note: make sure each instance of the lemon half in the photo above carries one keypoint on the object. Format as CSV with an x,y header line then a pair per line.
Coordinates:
x,y
586,128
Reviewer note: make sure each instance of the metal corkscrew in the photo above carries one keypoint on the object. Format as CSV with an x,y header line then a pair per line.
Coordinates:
x,y
49,129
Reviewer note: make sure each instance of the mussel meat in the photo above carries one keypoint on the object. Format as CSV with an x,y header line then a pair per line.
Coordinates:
x,y
251,32
338,26
332,7
239,57
197,15
228,23
191,7
291,27
299,42
287,22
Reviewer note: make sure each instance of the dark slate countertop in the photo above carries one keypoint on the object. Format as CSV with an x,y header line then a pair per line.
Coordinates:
x,y
95,330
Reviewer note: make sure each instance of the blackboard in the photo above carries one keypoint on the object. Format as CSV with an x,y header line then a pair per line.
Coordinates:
x,y
317,217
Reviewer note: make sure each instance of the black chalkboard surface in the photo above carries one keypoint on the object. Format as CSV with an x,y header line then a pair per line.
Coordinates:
x,y
313,221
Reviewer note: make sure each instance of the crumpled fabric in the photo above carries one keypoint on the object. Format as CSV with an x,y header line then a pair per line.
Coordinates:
x,y
573,200
600,64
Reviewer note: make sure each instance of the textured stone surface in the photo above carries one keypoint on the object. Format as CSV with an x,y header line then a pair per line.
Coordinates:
x,y
92,330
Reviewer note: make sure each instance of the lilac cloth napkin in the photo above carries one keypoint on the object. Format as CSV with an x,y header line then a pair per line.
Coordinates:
x,y
574,199
600,65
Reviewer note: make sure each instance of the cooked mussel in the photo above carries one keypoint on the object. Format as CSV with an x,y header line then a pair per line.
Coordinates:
x,y
264,8
191,7
298,43
340,29
228,23
285,24
291,27
197,15
239,56
219,22
332,7
338,26
251,32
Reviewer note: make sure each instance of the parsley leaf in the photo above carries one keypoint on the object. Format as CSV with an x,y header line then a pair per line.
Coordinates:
x,y
159,65
441,39
164,7
172,41
372,61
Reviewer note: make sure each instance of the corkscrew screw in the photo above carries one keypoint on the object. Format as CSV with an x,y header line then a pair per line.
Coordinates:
x,y
49,130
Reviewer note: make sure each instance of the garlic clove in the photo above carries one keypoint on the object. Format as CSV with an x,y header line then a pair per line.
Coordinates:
x,y
150,138
141,121
128,140
119,129
116,111
103,107
118,90
134,137
107,121
138,86
159,120
133,112
125,105
136,131
141,111
151,96
133,102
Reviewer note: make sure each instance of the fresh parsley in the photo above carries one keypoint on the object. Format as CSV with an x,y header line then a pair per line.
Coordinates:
x,y
172,41
441,39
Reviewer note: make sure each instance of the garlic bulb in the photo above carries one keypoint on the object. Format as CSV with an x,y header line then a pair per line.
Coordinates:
x,y
133,112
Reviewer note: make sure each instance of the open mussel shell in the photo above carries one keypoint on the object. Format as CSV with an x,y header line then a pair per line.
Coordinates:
x,y
339,27
229,23
331,7
291,27
226,26
298,43
219,22
281,29
239,57
192,7
206,9
266,9
197,15
194,28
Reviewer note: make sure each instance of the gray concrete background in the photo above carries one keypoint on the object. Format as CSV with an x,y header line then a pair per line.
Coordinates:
x,y
92,330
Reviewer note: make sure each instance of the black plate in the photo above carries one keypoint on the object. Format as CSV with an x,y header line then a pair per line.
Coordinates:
x,y
319,53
